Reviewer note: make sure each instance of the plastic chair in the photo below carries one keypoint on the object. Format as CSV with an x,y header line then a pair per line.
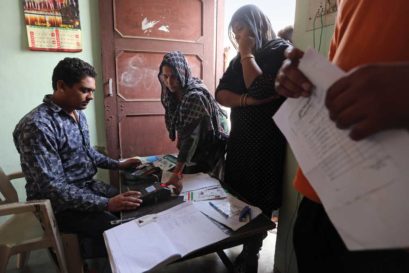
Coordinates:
x,y
30,226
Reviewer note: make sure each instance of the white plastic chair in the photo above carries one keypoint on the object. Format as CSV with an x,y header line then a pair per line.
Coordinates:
x,y
30,226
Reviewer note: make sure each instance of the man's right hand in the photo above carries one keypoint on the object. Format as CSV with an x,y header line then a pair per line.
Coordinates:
x,y
290,81
125,201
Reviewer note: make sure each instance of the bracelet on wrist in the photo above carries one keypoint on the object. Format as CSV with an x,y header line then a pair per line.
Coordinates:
x,y
243,100
245,57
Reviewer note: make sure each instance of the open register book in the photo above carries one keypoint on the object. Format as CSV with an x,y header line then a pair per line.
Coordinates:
x,y
156,240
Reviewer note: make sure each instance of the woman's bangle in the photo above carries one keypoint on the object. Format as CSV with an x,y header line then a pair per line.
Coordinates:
x,y
249,56
243,100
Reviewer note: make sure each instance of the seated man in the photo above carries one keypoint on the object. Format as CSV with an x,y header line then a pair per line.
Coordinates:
x,y
59,163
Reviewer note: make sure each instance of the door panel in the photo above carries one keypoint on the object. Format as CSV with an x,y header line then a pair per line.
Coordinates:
x,y
159,19
143,142
135,35
137,74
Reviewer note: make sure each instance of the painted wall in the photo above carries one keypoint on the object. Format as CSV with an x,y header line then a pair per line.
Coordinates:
x,y
285,261
25,76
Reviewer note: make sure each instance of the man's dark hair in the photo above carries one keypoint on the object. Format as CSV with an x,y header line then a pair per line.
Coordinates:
x,y
71,71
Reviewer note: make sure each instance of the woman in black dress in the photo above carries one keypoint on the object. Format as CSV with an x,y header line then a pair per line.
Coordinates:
x,y
256,147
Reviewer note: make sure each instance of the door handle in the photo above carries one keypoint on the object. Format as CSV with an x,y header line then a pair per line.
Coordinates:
x,y
110,94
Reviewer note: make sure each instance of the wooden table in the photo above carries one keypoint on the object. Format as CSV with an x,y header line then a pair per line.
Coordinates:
x,y
257,227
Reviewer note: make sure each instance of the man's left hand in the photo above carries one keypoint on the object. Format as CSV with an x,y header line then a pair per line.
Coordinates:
x,y
129,163
370,99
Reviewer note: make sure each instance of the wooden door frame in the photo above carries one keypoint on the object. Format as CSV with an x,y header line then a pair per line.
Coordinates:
x,y
108,55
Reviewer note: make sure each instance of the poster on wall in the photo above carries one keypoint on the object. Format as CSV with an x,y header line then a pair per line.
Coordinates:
x,y
53,25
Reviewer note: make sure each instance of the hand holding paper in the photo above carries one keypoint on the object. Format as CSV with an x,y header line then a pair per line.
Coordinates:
x,y
362,185
370,99
290,81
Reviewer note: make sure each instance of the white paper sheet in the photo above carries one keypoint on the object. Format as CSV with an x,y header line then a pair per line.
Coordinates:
x,y
135,249
192,182
188,229
363,185
205,194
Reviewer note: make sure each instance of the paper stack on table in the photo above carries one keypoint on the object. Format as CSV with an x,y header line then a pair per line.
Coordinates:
x,y
205,194
202,187
197,181
231,207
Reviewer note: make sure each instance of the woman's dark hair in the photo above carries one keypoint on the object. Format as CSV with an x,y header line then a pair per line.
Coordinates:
x,y
71,71
257,22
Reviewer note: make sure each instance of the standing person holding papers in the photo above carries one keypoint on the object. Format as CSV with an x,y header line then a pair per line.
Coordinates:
x,y
372,98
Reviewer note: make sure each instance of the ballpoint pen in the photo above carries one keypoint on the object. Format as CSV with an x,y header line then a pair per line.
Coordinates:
x,y
246,211
141,220
225,215
121,221
146,219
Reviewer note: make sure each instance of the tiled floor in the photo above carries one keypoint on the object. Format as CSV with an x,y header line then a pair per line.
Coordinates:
x,y
40,262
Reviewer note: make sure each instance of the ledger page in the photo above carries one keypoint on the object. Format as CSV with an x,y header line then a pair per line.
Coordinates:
x,y
188,229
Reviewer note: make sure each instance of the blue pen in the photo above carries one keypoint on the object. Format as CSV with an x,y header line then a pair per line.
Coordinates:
x,y
244,212
225,215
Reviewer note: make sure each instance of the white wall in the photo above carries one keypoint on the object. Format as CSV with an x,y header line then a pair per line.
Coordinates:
x,y
25,76
285,260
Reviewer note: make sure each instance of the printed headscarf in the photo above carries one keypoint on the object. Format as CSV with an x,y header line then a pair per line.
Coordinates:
x,y
196,102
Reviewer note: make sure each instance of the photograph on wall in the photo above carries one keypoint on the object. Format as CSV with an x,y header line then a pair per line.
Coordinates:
x,y
53,25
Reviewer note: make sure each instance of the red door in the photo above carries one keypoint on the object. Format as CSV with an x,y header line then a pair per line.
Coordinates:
x,y
135,35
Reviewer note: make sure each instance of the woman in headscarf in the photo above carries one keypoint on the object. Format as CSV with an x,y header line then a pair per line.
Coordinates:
x,y
192,116
256,147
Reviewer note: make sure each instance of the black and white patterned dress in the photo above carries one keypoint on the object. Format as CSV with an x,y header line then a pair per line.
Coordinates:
x,y
196,120
256,147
